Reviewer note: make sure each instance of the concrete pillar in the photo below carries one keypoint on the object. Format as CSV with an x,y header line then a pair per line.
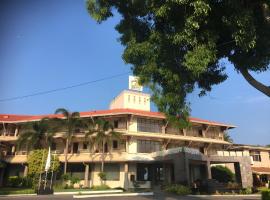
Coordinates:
x,y
187,170
185,131
167,173
208,170
181,169
16,131
2,172
126,181
25,171
13,150
86,176
127,144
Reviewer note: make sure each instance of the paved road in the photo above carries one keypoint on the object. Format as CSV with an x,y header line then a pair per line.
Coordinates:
x,y
159,196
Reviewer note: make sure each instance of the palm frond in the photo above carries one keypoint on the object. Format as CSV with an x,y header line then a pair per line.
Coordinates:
x,y
25,138
62,111
75,115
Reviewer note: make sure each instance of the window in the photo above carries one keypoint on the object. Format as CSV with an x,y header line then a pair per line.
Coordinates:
x,y
146,146
75,147
76,170
128,98
85,144
149,125
115,144
256,156
144,101
112,172
269,155
139,100
134,99
115,124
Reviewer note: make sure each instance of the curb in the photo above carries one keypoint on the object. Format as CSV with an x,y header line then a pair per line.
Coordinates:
x,y
17,195
114,195
90,192
226,195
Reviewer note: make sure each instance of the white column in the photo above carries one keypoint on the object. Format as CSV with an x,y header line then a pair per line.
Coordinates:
x,y
86,176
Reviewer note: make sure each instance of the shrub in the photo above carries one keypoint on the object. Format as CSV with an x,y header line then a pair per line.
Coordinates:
x,y
266,195
37,158
27,181
74,180
100,187
66,177
233,185
222,174
102,175
14,181
246,191
178,189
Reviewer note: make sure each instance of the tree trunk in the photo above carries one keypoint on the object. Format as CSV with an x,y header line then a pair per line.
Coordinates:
x,y
66,152
102,162
256,84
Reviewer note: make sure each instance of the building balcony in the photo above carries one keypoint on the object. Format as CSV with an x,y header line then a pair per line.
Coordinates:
x,y
176,137
8,138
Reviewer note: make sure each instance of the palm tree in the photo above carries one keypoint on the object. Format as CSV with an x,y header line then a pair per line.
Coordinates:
x,y
228,138
36,135
70,122
101,133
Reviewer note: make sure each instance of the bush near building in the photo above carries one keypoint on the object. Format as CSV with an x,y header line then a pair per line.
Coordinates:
x,y
22,182
178,189
265,195
222,174
36,164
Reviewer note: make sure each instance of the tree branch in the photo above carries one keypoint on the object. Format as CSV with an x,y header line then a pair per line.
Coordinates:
x,y
256,84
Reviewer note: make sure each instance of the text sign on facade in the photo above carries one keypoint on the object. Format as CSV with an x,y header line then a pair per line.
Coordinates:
x,y
133,83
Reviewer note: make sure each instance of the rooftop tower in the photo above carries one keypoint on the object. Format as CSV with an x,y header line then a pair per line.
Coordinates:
x,y
133,98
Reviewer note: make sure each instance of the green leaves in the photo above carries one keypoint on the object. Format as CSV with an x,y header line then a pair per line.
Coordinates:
x,y
175,45
198,59
37,160
99,10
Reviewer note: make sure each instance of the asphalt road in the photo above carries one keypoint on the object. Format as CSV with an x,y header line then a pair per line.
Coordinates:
x,y
155,197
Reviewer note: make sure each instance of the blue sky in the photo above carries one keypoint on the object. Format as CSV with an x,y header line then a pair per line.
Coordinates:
x,y
52,44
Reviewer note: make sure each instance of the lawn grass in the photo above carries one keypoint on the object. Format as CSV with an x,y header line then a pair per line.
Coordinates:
x,y
71,190
7,190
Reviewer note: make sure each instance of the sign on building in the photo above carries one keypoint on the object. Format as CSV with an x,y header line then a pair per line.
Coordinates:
x,y
133,83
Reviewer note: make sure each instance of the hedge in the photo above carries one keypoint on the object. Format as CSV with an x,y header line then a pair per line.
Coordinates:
x,y
266,195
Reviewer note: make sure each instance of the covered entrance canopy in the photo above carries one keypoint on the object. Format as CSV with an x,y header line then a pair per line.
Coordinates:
x,y
261,170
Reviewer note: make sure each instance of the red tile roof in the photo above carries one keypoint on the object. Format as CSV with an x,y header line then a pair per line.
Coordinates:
x,y
11,118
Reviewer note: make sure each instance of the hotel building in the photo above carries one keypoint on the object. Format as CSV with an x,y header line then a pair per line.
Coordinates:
x,y
151,151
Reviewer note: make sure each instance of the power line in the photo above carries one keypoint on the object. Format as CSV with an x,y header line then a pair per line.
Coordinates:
x,y
62,88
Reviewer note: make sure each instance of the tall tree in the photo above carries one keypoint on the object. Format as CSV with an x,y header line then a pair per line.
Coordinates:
x,y
36,135
175,46
69,123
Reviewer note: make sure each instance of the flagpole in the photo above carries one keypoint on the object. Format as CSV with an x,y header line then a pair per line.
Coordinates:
x,y
47,166
52,169
39,181
45,180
